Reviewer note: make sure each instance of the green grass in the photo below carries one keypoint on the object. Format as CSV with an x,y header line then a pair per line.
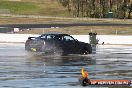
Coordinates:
x,y
18,7
34,7
42,8
30,20
53,8
100,30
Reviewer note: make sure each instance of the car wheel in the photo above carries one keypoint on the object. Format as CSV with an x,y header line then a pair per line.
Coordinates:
x,y
84,51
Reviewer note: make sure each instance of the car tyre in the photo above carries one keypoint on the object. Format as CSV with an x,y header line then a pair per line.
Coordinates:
x,y
84,51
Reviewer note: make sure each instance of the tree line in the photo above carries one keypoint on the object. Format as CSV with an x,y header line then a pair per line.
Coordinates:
x,y
99,8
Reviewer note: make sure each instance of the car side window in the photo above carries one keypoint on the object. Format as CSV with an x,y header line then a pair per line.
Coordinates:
x,y
68,38
58,38
50,37
43,37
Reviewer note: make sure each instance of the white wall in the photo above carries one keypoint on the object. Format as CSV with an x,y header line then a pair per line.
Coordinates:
x,y
15,37
115,39
107,39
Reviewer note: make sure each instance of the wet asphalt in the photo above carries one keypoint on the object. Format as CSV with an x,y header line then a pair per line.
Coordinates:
x,y
22,69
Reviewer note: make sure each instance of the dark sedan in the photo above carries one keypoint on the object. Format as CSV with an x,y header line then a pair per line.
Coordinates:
x,y
57,43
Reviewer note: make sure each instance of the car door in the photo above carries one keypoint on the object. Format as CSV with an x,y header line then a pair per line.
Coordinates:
x,y
70,44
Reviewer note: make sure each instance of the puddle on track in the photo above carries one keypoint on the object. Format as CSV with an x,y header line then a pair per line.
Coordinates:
x,y
21,69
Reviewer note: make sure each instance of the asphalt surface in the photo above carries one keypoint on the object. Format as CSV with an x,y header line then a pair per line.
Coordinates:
x,y
61,25
22,69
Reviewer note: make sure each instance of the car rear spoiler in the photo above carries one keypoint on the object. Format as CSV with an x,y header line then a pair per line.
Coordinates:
x,y
30,38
